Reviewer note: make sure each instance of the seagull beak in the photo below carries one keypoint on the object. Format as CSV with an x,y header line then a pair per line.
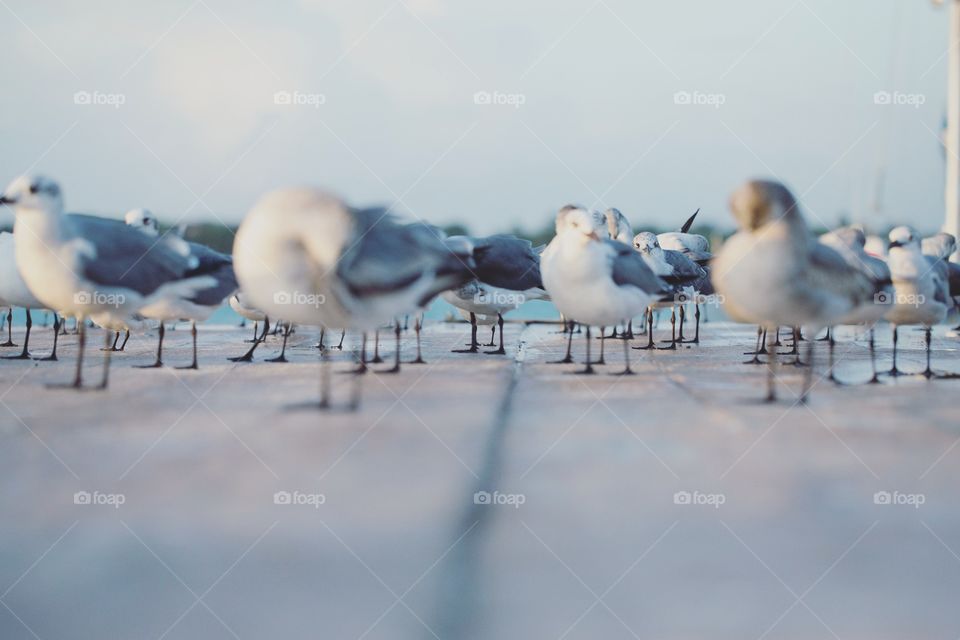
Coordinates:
x,y
593,235
5,199
894,243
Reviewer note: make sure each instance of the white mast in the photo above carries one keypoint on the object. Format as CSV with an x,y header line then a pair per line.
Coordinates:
x,y
951,222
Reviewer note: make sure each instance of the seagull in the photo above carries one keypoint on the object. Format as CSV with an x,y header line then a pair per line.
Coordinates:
x,y
773,272
304,255
240,305
15,293
594,280
921,291
199,305
697,248
83,265
940,247
506,274
850,243
684,277
618,227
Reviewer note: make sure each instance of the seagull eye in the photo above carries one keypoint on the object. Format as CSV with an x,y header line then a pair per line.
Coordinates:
x,y
34,188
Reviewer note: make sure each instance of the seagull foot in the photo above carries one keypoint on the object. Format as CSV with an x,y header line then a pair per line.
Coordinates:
x,y
470,350
155,365
188,366
497,352
417,361
22,356
280,358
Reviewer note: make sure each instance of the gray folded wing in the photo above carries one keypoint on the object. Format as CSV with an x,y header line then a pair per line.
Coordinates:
x,y
126,257
217,265
629,268
507,262
685,270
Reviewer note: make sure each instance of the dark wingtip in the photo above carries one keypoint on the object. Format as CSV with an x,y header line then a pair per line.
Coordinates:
x,y
689,223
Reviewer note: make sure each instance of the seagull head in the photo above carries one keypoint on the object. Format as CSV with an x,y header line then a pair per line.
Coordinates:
x,y
617,224
33,192
759,202
645,242
143,220
577,221
940,245
904,237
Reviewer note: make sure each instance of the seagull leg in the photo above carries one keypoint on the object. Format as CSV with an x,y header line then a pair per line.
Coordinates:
x,y
255,332
473,337
357,381
159,361
283,350
567,359
376,348
588,368
696,331
77,378
648,316
501,351
772,373
406,322
320,343
826,336
893,370
928,372
628,334
683,315
673,331
396,355
343,332
116,338
873,360
603,341
24,355
362,367
248,356
324,380
757,349
832,343
126,336
493,332
627,371
193,334
106,361
56,334
808,374
417,326
9,342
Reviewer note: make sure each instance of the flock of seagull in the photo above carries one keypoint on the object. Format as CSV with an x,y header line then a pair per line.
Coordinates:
x,y
302,256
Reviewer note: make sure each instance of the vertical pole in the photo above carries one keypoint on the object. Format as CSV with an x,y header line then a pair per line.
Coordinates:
x,y
952,220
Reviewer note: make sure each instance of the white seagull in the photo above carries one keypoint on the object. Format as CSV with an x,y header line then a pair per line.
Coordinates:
x,y
594,280
773,272
303,255
83,265
15,293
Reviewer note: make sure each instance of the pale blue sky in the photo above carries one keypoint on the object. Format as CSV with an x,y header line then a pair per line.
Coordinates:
x,y
199,128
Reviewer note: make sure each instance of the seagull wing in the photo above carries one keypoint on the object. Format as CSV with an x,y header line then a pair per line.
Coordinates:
x,y
507,262
122,256
216,264
629,269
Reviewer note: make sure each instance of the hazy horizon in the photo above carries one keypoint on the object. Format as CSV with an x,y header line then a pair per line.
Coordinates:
x,y
490,115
